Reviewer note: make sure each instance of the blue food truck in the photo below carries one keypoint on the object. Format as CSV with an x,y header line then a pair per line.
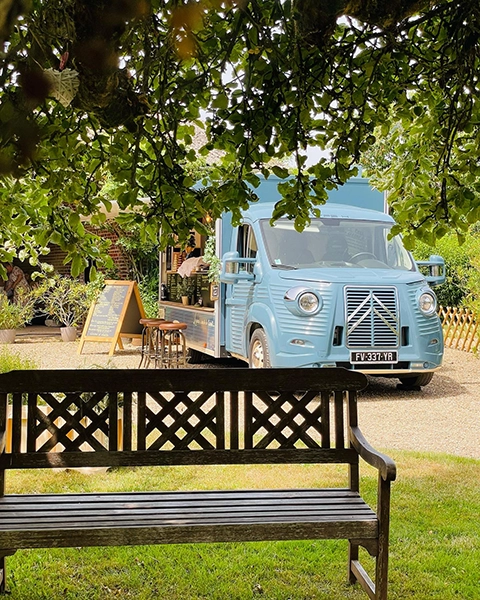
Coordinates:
x,y
340,293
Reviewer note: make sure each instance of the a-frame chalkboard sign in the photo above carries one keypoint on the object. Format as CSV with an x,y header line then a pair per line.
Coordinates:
x,y
115,314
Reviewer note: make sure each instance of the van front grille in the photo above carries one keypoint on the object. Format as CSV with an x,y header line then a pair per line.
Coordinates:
x,y
372,317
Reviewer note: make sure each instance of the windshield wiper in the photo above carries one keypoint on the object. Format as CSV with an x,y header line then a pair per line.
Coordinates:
x,y
285,267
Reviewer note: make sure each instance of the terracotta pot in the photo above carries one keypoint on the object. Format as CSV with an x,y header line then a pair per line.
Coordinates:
x,y
7,336
69,334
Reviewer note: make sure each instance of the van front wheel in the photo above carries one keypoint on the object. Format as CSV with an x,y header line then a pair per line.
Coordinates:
x,y
259,356
416,380
195,357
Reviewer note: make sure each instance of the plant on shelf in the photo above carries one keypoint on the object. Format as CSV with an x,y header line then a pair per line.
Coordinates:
x,y
67,300
186,289
210,257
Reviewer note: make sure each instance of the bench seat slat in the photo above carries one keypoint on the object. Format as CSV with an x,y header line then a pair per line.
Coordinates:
x,y
75,521
250,495
175,517
55,506
154,507
78,521
356,511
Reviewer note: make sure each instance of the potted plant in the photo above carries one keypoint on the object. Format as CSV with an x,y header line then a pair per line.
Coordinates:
x,y
185,289
67,301
13,316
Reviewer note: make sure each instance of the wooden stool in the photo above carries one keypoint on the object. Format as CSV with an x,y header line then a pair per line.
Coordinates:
x,y
151,341
173,349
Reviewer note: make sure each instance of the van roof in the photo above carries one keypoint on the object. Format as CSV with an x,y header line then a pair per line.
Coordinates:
x,y
264,210
357,191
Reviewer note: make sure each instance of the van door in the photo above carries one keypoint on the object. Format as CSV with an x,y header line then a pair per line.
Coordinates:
x,y
239,295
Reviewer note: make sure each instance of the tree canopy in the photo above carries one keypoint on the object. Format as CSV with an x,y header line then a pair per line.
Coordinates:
x,y
100,100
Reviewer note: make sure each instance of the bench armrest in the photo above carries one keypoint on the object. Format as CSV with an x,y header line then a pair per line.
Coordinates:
x,y
382,462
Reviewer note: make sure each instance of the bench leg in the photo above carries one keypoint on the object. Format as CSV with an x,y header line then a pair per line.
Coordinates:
x,y
3,555
357,573
381,570
381,575
352,555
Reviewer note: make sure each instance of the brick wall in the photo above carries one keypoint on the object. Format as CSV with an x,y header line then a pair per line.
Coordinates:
x,y
57,256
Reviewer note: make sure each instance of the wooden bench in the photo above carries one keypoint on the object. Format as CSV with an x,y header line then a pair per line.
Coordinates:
x,y
191,417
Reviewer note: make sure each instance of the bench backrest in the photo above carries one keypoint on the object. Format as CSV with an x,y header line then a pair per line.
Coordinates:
x,y
76,418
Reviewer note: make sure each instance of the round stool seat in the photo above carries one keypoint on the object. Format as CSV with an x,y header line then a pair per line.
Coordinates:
x,y
151,322
171,326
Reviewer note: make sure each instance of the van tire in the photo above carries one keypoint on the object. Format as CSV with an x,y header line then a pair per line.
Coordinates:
x,y
416,380
259,355
195,357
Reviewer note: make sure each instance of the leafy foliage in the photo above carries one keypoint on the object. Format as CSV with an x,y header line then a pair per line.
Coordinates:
x,y
142,254
12,361
14,315
462,262
148,289
211,258
455,290
68,300
264,78
186,286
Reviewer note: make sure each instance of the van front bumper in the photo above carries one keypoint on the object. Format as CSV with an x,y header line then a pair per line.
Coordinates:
x,y
388,370
403,367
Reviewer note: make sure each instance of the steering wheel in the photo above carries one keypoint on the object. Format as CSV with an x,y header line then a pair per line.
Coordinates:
x,y
363,256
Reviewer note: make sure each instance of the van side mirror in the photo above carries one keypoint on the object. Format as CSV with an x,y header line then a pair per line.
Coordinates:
x,y
435,266
235,269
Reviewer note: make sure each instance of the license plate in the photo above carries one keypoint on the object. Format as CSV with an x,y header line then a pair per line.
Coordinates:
x,y
373,356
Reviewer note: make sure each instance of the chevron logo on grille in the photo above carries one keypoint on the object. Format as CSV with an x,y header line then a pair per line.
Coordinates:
x,y
372,317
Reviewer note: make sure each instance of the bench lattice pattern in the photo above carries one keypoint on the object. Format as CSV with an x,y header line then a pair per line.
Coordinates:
x,y
155,421
152,419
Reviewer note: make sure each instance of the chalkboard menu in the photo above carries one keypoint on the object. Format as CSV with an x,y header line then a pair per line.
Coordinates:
x,y
203,289
115,314
172,285
200,287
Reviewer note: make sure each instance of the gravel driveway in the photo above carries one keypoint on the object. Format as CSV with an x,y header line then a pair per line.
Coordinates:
x,y
442,417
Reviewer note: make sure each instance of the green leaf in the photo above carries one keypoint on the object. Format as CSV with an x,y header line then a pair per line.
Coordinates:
x,y
280,171
79,264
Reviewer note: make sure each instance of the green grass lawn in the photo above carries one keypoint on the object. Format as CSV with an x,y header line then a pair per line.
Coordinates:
x,y
435,540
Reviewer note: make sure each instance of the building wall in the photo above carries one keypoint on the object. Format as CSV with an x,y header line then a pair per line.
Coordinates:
x,y
121,261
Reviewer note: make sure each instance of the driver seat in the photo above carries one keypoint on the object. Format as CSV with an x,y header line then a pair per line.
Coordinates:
x,y
337,248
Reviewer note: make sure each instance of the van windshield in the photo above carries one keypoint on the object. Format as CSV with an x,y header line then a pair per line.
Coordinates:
x,y
334,243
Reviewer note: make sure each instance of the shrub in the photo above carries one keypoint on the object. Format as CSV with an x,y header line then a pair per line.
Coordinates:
x,y
148,289
12,361
14,315
68,300
458,266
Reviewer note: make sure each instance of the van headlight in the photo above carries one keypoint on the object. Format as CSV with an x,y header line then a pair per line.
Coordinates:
x,y
427,303
308,302
303,302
